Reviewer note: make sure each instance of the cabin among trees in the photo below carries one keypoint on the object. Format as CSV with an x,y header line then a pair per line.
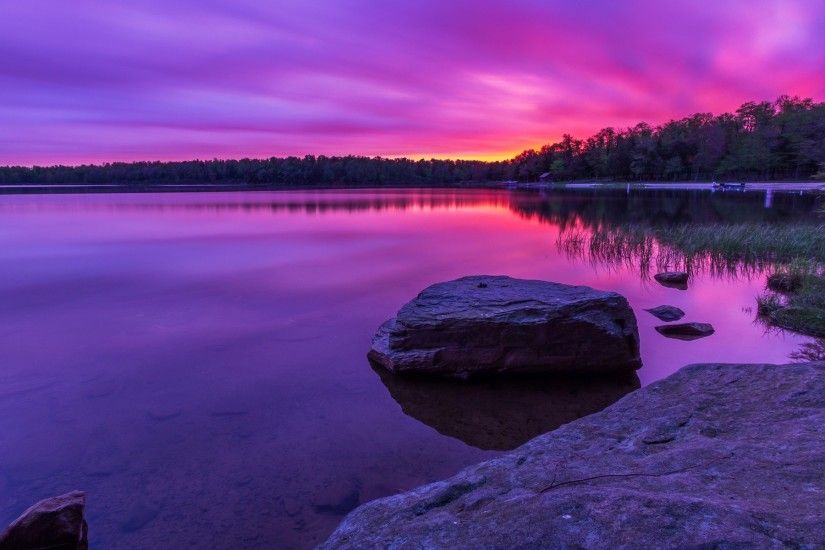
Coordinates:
x,y
784,139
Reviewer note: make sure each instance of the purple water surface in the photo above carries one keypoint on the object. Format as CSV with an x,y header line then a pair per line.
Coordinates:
x,y
196,361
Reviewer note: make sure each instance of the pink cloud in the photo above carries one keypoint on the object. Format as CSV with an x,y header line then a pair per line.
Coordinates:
x,y
85,81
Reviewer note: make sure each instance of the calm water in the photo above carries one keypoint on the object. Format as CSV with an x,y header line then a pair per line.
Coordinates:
x,y
196,361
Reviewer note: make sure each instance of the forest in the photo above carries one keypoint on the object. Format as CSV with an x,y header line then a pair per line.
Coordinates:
x,y
761,141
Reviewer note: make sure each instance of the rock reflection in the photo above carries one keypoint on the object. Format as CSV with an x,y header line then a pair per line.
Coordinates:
x,y
810,351
501,414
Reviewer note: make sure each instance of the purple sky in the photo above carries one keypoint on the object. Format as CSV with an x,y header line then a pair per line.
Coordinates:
x,y
92,81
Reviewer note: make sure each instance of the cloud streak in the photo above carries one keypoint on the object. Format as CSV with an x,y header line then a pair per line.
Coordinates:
x,y
91,81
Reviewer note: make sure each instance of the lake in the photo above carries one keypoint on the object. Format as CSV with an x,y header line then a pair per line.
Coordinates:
x,y
196,362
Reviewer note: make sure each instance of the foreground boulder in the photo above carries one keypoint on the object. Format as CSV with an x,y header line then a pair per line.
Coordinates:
x,y
686,331
53,523
666,313
715,456
673,279
487,324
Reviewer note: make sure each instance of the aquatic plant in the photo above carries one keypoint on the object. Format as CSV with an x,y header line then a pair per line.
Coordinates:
x,y
721,249
810,351
793,256
767,304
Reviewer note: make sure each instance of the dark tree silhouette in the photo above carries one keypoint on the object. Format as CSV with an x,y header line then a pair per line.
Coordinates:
x,y
784,139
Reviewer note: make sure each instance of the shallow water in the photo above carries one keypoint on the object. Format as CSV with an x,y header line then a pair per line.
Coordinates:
x,y
196,361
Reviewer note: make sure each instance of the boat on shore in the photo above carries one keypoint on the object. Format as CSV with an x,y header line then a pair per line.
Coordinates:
x,y
729,185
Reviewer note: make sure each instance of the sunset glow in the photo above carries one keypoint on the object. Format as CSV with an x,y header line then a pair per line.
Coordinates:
x,y
90,81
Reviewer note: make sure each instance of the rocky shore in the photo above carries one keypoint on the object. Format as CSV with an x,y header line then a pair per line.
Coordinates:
x,y
716,455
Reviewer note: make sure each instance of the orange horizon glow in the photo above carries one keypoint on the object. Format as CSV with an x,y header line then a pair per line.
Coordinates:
x,y
485,80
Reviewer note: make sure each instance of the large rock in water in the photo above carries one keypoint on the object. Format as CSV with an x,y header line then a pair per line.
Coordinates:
x,y
488,324
53,523
715,456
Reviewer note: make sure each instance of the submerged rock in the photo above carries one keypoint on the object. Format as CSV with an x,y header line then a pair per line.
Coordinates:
x,y
666,313
686,331
716,456
337,497
53,523
141,514
503,413
673,279
493,324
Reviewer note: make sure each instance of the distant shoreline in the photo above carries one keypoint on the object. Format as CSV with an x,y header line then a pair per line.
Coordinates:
x,y
76,188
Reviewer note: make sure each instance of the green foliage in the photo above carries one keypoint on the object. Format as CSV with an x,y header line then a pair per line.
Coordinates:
x,y
748,242
802,310
783,139
805,320
719,248
810,351
767,304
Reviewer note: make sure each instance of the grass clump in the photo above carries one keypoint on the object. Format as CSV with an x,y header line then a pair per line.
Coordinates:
x,y
810,351
793,254
767,304
748,242
735,249
801,309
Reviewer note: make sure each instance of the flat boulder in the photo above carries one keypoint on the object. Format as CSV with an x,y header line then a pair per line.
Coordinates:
x,y
673,279
714,456
666,313
686,331
54,523
500,325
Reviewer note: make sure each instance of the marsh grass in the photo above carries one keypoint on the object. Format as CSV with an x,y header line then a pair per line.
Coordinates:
x,y
752,243
804,309
734,249
767,304
796,251
810,351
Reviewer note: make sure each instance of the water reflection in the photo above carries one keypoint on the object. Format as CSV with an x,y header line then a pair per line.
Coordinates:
x,y
165,352
503,413
810,351
298,202
590,208
637,248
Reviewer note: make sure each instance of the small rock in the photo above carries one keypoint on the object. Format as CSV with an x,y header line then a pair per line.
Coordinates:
x,y
337,498
673,279
138,517
54,523
229,413
686,331
292,506
163,411
666,313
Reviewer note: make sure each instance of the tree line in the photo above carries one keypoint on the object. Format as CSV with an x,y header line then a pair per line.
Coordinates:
x,y
784,139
